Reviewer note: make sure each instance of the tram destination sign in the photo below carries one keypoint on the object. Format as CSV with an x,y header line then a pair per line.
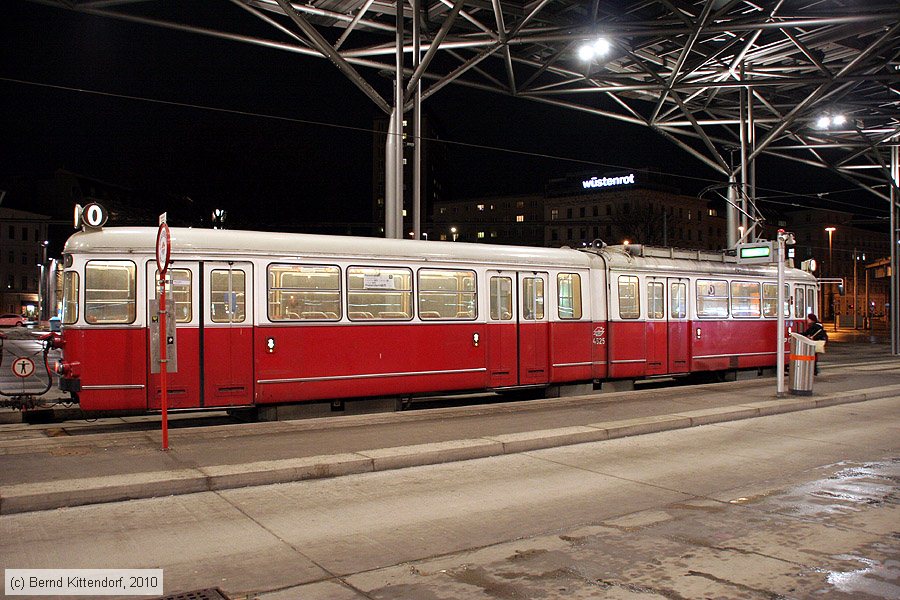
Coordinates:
x,y
756,253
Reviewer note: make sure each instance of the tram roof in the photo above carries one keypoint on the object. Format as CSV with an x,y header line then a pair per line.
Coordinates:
x,y
219,242
679,261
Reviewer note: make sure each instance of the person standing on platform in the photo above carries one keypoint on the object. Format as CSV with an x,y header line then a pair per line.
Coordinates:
x,y
816,332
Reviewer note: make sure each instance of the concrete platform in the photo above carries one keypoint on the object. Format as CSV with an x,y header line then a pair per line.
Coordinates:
x,y
43,473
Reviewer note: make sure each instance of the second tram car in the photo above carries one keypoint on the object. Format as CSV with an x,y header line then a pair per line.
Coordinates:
x,y
267,318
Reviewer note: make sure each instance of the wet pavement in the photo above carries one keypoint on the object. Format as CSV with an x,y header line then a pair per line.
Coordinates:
x,y
834,536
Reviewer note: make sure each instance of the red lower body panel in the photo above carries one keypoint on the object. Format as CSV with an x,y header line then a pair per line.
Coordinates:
x,y
112,367
321,362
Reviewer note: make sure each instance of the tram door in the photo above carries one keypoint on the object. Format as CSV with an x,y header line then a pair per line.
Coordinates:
x,y
534,329
502,330
210,304
657,330
679,330
182,298
227,334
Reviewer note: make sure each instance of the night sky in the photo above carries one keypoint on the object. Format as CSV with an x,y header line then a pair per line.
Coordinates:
x,y
264,169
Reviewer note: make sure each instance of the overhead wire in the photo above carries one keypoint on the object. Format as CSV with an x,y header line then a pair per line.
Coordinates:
x,y
531,154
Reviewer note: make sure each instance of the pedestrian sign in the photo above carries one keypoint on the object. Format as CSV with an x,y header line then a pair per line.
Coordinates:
x,y
23,367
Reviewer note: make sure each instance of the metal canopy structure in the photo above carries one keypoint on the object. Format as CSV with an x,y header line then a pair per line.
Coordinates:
x,y
811,81
711,77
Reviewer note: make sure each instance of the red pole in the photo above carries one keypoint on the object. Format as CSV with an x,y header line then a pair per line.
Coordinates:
x,y
163,361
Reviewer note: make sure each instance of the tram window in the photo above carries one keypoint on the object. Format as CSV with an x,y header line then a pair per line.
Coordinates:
x,y
568,287
109,292
178,288
811,299
304,292
799,303
501,298
227,296
533,299
770,299
678,300
629,297
745,299
379,293
656,301
712,298
447,294
70,297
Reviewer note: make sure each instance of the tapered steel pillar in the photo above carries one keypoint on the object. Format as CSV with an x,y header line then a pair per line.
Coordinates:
x,y
417,129
895,198
390,174
731,213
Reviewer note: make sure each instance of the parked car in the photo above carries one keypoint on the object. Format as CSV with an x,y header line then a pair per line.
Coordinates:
x,y
11,320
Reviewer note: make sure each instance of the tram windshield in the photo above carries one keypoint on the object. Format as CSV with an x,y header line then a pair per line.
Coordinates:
x,y
70,297
109,292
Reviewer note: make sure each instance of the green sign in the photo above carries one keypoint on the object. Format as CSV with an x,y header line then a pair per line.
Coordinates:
x,y
756,252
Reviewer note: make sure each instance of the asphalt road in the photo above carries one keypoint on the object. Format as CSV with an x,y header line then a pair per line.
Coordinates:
x,y
802,505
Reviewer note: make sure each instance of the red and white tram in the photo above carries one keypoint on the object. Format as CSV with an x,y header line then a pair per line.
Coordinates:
x,y
268,318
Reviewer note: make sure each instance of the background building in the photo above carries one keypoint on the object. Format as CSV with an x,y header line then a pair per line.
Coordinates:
x,y
637,206
514,220
579,208
23,235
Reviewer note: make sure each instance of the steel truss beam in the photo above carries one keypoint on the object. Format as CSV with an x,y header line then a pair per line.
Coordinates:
x,y
679,67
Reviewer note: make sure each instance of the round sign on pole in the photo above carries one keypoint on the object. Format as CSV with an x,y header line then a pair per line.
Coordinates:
x,y
23,367
163,248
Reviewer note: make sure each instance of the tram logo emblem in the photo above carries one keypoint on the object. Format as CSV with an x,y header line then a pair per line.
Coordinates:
x,y
599,336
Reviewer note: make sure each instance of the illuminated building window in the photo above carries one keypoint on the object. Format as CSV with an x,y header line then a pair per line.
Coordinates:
x,y
480,206
520,218
480,235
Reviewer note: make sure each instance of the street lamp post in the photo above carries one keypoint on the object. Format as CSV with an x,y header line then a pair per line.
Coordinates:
x,y
42,286
830,231
857,256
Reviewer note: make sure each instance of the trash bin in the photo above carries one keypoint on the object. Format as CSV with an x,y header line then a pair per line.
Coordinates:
x,y
54,324
803,364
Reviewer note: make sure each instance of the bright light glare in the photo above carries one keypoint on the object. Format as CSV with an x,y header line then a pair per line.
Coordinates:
x,y
586,52
590,51
827,121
